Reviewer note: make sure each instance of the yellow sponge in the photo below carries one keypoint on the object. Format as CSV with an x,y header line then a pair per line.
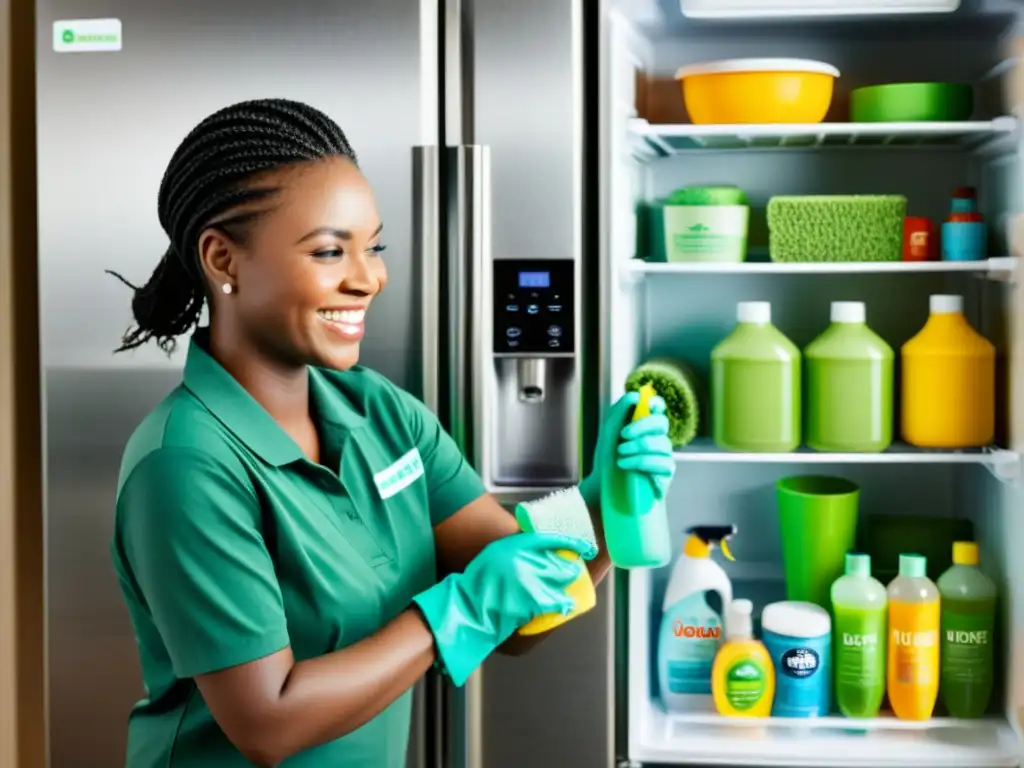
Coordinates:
x,y
565,512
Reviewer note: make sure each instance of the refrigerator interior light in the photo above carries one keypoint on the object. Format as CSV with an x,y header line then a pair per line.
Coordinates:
x,y
754,9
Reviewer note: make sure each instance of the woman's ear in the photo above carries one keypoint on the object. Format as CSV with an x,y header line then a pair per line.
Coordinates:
x,y
217,256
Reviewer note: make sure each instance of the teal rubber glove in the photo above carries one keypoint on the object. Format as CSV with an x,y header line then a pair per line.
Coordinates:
x,y
642,446
512,580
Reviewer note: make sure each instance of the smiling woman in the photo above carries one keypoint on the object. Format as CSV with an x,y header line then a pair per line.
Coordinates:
x,y
296,538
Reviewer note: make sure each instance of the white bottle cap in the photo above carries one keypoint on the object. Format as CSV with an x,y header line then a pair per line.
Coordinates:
x,y
848,312
759,312
738,623
791,618
941,304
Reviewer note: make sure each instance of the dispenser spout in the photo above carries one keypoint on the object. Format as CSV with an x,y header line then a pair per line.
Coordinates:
x,y
530,375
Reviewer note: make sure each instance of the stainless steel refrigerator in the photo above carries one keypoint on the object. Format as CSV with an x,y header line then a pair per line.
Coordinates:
x,y
470,120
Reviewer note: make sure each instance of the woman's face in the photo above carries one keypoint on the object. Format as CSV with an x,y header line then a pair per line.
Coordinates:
x,y
309,269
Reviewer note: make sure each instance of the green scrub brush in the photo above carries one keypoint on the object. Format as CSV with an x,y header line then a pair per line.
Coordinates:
x,y
816,228
563,512
678,386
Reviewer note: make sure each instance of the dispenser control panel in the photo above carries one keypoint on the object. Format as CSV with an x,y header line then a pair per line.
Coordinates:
x,y
534,306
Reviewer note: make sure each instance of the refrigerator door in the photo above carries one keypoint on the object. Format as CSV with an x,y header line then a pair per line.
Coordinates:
x,y
513,109
108,124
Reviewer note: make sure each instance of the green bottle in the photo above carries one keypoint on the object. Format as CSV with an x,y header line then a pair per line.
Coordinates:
x,y
859,604
966,655
849,385
755,382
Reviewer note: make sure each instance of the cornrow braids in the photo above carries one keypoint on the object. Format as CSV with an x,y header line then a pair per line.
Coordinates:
x,y
210,176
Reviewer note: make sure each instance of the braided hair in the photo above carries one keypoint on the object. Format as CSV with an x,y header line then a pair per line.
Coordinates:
x,y
209,178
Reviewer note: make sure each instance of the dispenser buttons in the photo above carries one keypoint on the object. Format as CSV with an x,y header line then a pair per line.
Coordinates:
x,y
511,307
555,331
554,307
533,309
513,332
554,343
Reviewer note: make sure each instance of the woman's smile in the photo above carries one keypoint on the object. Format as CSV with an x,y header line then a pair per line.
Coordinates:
x,y
346,323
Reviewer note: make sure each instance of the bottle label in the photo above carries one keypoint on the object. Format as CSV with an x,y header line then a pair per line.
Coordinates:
x,y
689,639
800,662
966,652
914,644
745,683
860,650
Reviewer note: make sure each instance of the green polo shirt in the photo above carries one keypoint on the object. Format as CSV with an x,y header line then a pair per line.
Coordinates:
x,y
229,546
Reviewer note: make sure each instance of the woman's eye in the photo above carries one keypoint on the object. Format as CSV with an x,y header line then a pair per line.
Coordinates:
x,y
378,249
327,253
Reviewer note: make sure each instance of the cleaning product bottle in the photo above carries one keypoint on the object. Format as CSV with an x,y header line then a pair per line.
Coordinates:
x,y
755,382
635,520
691,630
948,381
968,624
742,676
913,674
849,372
859,604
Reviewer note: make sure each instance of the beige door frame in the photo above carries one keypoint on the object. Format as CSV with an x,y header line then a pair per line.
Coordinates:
x,y
22,660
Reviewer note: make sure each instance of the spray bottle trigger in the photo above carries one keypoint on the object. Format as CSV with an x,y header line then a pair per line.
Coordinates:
x,y
725,549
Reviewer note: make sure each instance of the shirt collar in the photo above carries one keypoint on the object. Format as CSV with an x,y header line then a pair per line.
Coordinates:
x,y
236,409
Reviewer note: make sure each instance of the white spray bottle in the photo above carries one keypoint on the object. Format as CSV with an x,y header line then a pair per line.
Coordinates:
x,y
691,630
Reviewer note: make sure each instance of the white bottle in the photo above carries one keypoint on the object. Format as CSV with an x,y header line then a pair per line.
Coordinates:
x,y
691,630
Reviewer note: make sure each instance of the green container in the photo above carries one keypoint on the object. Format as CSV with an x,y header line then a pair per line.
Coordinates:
x,y
706,223
818,526
966,653
849,371
911,103
755,385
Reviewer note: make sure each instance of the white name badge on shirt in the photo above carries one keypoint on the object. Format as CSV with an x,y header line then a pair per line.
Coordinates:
x,y
400,475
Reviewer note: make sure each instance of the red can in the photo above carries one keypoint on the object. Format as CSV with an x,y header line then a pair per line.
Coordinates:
x,y
919,240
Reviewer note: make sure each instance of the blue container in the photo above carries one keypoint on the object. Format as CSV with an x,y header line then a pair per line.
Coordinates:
x,y
798,637
964,240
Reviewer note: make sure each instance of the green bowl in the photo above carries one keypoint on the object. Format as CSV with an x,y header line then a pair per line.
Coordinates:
x,y
912,102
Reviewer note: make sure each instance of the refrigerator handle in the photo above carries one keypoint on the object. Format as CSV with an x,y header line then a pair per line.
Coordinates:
x,y
468,328
470,304
427,243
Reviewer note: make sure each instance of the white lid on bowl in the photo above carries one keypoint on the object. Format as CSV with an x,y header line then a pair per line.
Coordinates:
x,y
848,312
758,312
756,65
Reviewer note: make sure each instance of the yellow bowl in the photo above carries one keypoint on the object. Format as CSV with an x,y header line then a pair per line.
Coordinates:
x,y
757,91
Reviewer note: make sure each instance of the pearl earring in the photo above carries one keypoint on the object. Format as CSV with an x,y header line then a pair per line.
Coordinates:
x,y
227,288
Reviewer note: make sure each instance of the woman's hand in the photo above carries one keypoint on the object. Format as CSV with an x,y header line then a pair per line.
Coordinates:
x,y
513,580
640,446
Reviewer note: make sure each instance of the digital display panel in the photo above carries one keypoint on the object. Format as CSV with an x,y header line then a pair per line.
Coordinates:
x,y
534,279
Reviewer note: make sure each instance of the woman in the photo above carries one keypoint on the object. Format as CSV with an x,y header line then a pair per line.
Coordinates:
x,y
296,538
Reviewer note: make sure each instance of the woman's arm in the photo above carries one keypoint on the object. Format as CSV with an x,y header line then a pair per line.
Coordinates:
x,y
462,536
273,707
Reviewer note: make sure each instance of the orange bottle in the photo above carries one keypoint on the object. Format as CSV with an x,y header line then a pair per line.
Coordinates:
x,y
912,672
948,382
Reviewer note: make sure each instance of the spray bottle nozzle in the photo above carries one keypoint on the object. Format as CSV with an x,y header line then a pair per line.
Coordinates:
x,y
703,537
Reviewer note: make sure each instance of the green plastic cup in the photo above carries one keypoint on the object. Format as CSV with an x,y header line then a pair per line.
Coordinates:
x,y
818,524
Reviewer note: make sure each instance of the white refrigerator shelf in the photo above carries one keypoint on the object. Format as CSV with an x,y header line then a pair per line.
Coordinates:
x,y
1001,268
651,141
1004,463
828,742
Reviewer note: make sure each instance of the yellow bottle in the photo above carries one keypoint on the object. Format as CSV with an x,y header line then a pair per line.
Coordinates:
x,y
912,674
742,676
948,382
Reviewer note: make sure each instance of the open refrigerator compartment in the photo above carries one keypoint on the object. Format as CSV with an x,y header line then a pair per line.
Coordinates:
x,y
683,310
711,495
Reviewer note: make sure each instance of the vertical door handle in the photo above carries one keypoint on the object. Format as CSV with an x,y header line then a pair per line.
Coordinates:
x,y
426,223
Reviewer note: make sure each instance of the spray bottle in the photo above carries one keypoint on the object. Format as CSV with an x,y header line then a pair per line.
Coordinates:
x,y
635,520
691,630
